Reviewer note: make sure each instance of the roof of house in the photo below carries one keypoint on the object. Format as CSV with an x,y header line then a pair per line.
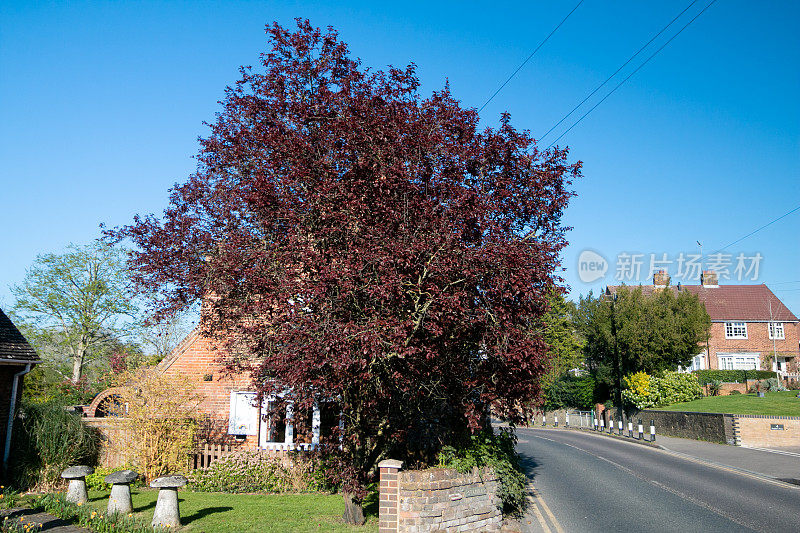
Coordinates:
x,y
734,302
13,346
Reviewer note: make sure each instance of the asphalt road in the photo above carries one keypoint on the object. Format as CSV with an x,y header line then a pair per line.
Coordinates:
x,y
586,483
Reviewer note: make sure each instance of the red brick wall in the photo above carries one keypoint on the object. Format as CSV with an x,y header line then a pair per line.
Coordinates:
x,y
195,361
757,341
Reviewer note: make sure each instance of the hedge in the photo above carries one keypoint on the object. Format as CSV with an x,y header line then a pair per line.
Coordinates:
x,y
732,376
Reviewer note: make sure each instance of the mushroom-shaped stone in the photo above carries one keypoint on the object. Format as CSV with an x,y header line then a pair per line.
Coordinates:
x,y
76,491
166,513
120,499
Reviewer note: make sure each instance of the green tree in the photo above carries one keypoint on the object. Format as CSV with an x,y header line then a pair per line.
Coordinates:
x,y
74,304
640,333
562,337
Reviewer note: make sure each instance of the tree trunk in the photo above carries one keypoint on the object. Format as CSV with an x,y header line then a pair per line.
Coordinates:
x,y
353,511
77,364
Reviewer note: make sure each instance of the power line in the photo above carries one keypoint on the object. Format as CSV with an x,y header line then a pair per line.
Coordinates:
x,y
565,117
529,57
759,229
632,73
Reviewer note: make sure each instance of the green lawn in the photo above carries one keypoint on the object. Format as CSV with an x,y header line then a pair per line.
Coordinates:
x,y
784,403
210,512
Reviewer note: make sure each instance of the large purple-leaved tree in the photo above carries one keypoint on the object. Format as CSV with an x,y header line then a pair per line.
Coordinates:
x,y
362,244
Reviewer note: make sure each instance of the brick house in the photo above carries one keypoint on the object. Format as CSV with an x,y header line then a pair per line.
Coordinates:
x,y
228,402
17,358
750,326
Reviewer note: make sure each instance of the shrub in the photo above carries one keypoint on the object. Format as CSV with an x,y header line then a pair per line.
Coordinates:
x,y
49,439
159,414
639,390
96,481
570,391
735,391
715,387
774,385
731,376
678,387
258,471
794,385
644,391
496,451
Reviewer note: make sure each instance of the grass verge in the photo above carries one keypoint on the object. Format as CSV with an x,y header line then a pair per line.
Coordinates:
x,y
785,403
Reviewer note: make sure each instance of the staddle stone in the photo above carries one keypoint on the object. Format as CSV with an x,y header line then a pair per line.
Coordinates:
x,y
122,477
120,499
167,514
76,490
169,482
75,472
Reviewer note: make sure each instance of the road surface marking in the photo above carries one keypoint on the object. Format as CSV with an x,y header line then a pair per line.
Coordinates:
x,y
538,514
547,510
666,488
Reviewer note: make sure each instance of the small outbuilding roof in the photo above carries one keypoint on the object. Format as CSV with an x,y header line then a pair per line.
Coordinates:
x,y
13,346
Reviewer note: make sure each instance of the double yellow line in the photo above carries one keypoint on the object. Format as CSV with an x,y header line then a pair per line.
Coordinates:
x,y
536,502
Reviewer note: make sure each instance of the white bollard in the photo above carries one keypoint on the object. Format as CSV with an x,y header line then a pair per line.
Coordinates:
x,y
652,431
630,429
641,430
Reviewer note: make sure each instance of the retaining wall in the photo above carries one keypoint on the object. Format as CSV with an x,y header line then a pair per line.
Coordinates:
x,y
711,427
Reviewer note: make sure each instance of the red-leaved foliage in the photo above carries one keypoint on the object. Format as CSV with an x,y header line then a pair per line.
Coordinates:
x,y
361,243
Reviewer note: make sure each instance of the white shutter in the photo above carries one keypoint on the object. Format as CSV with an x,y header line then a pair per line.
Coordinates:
x,y
243,419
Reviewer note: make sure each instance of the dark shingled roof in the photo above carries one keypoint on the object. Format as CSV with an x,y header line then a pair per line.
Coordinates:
x,y
13,345
734,302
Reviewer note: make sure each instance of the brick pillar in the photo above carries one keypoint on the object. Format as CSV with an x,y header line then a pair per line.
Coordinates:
x,y
389,501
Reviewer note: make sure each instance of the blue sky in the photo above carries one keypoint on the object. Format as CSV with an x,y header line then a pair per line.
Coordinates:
x,y
101,104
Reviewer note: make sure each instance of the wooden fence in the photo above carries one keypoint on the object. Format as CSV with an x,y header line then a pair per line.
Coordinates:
x,y
206,454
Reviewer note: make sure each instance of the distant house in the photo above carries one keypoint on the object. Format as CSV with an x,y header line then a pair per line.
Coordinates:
x,y
229,402
750,326
17,358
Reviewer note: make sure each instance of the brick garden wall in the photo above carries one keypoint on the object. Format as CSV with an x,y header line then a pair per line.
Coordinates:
x,y
756,430
437,500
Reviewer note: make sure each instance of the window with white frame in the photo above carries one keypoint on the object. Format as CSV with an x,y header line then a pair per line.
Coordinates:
x,y
243,414
739,361
735,330
698,362
776,330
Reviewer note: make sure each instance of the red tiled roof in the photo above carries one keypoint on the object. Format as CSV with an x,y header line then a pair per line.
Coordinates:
x,y
13,345
735,302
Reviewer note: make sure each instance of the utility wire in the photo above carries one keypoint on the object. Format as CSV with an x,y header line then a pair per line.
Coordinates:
x,y
625,64
632,73
759,229
529,57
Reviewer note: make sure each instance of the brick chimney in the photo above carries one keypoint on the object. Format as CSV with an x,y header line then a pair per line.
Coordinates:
x,y
660,279
709,279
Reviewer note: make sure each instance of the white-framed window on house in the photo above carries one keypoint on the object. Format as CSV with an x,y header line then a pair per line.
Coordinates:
x,y
776,330
735,330
739,361
698,362
243,414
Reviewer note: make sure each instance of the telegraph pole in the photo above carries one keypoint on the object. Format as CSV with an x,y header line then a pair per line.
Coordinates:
x,y
617,364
